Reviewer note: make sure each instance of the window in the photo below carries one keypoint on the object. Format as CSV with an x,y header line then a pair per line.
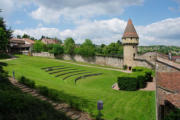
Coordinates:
x,y
134,54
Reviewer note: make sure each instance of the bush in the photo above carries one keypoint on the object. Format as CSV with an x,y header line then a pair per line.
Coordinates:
x,y
137,79
141,78
124,67
128,82
138,69
4,56
87,49
57,49
50,93
27,82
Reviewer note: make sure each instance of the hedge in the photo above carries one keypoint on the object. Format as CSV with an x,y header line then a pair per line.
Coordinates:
x,y
137,79
128,82
27,82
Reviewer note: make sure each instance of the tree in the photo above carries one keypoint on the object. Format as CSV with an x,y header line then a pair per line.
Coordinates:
x,y
3,40
57,49
87,48
5,36
19,36
25,36
113,49
69,46
38,46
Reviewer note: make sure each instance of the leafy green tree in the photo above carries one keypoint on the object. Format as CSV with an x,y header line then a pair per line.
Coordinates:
x,y
113,49
57,49
25,36
5,34
38,46
87,48
3,40
69,46
19,36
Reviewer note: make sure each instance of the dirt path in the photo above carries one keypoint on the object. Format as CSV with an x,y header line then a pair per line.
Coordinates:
x,y
62,107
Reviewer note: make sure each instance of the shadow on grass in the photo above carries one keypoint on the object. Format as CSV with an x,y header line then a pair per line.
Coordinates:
x,y
75,102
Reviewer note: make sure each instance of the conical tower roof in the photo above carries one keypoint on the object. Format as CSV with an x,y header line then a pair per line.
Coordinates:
x,y
130,31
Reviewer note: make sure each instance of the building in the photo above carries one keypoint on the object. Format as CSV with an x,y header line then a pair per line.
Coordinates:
x,y
49,41
20,45
130,41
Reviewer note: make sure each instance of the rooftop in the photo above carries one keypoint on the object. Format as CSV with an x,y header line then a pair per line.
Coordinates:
x,y
130,31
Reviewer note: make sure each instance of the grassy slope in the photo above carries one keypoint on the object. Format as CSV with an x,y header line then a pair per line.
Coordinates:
x,y
16,105
138,105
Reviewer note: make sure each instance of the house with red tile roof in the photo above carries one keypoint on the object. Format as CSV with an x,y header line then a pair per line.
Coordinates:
x,y
18,45
49,41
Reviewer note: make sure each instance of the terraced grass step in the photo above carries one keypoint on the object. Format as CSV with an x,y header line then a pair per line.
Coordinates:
x,y
52,67
61,71
85,76
68,73
74,75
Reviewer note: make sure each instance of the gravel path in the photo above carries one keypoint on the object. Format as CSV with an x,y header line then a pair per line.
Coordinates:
x,y
62,107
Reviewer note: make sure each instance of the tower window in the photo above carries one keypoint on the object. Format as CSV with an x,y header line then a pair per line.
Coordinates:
x,y
134,54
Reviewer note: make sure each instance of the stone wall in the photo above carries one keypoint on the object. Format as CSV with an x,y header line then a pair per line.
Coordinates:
x,y
44,54
100,60
107,61
165,65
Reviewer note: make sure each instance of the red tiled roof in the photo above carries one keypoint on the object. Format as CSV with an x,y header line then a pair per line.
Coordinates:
x,y
29,40
49,41
16,40
170,81
174,99
130,31
23,40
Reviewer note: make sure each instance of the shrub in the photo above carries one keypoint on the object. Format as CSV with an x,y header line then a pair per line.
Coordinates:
x,y
27,82
138,69
141,79
124,67
50,93
128,82
137,79
4,56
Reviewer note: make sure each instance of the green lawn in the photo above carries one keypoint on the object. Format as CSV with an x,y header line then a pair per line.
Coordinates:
x,y
118,105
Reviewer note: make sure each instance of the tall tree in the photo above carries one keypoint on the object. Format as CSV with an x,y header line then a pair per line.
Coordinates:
x,y
26,36
69,46
87,48
5,36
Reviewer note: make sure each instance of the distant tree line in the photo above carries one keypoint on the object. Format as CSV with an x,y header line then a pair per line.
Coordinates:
x,y
86,49
175,50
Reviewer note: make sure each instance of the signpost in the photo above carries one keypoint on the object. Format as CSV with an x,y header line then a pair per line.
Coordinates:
x,y
99,107
13,75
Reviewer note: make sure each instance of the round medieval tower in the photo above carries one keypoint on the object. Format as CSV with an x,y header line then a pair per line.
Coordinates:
x,y
130,42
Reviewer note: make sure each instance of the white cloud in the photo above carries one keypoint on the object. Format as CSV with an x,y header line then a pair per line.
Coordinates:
x,y
165,32
51,12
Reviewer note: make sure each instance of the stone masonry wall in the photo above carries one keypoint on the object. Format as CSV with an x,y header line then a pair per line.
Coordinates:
x,y
108,61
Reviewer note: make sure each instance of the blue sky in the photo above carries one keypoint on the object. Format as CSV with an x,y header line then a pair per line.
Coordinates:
x,y
102,21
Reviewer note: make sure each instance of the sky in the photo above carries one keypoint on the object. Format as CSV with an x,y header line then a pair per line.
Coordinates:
x,y
157,22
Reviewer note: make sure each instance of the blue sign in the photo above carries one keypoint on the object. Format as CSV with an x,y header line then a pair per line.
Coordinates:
x,y
100,105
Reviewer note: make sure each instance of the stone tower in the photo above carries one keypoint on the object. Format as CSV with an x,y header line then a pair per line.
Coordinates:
x,y
130,42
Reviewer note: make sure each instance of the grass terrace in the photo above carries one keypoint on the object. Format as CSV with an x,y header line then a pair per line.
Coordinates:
x,y
83,86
